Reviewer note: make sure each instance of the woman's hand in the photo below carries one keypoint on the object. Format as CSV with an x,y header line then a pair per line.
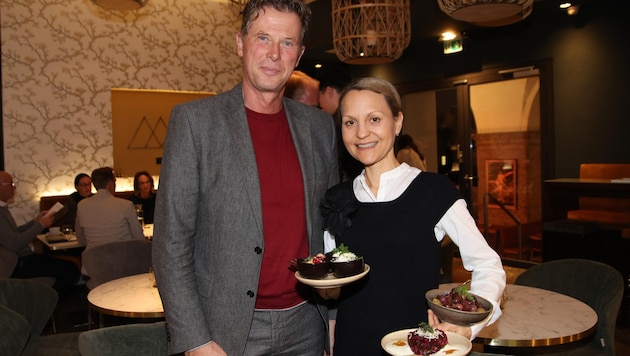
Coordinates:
x,y
329,293
434,322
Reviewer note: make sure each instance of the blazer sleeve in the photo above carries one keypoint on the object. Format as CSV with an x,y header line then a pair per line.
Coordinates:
x,y
174,232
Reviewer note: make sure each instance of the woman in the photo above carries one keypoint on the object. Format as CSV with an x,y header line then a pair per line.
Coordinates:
x,y
408,152
144,194
395,216
83,186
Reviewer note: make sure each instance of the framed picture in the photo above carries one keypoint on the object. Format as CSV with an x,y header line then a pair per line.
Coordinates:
x,y
501,175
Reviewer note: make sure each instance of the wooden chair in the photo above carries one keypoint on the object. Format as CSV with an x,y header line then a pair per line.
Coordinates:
x,y
594,283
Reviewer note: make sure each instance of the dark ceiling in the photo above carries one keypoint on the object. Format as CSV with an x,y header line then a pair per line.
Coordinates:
x,y
427,23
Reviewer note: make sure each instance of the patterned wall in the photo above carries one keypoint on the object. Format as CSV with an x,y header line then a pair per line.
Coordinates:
x,y
60,58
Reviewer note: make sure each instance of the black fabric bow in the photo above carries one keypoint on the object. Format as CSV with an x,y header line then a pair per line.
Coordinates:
x,y
338,208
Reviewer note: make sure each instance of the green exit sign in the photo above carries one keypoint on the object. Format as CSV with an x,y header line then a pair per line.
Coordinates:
x,y
453,46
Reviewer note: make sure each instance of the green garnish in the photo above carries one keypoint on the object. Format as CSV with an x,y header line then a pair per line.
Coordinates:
x,y
425,327
463,291
341,249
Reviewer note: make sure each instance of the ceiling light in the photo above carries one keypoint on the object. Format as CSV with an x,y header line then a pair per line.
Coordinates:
x,y
370,31
487,12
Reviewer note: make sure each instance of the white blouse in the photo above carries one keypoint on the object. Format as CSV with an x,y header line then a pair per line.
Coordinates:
x,y
488,276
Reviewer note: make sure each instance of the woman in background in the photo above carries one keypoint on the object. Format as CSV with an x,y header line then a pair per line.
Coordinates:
x,y
407,151
144,194
83,186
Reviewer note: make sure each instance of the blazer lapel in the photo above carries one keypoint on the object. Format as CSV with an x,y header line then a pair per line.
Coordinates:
x,y
302,134
240,139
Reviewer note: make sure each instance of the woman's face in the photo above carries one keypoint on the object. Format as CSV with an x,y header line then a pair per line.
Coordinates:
x,y
85,187
368,127
144,185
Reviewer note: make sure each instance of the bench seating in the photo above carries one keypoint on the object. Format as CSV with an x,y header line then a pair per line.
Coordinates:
x,y
615,211
47,202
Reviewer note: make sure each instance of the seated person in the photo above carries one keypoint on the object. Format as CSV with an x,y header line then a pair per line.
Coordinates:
x,y
18,238
83,186
144,194
105,218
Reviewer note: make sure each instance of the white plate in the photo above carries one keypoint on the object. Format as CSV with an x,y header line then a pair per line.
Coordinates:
x,y
330,281
457,345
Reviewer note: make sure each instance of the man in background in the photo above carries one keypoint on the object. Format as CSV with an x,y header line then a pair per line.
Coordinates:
x,y
17,239
303,88
103,217
331,84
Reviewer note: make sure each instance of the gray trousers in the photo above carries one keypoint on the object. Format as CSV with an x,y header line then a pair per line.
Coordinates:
x,y
299,331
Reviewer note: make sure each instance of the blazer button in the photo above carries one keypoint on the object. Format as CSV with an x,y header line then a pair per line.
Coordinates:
x,y
258,250
250,294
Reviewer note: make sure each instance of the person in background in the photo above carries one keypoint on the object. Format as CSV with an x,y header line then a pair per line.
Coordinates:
x,y
407,151
302,88
331,83
144,194
241,179
105,218
83,186
17,239
394,216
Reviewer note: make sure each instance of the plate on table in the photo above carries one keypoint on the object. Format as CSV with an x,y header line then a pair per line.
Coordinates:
x,y
395,344
330,281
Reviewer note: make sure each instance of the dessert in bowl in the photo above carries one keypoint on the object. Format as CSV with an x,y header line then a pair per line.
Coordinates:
x,y
313,267
345,263
458,306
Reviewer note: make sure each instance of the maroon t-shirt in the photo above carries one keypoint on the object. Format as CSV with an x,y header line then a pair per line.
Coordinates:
x,y
284,216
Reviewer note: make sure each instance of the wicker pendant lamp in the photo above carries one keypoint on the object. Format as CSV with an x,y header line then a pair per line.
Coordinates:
x,y
120,5
370,31
487,12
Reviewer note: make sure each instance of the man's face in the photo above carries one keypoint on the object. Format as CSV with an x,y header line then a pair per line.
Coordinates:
x,y
270,50
7,188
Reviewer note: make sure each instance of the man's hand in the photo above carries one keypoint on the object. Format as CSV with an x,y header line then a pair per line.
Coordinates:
x,y
434,322
209,349
46,221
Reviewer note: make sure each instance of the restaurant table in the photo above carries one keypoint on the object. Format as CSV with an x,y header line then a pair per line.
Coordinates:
x,y
534,317
132,297
71,243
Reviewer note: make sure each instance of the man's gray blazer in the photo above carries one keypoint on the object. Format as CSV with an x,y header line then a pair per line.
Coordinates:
x,y
208,238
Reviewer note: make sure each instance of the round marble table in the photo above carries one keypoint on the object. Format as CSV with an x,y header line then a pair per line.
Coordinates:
x,y
133,297
538,317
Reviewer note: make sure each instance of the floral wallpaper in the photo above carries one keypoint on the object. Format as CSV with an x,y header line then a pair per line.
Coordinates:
x,y
60,58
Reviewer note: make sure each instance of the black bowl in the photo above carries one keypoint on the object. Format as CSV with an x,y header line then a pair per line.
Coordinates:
x,y
312,270
347,269
455,316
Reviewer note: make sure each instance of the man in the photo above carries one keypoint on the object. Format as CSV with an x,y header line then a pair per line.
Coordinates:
x,y
104,218
302,88
242,176
18,238
331,83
